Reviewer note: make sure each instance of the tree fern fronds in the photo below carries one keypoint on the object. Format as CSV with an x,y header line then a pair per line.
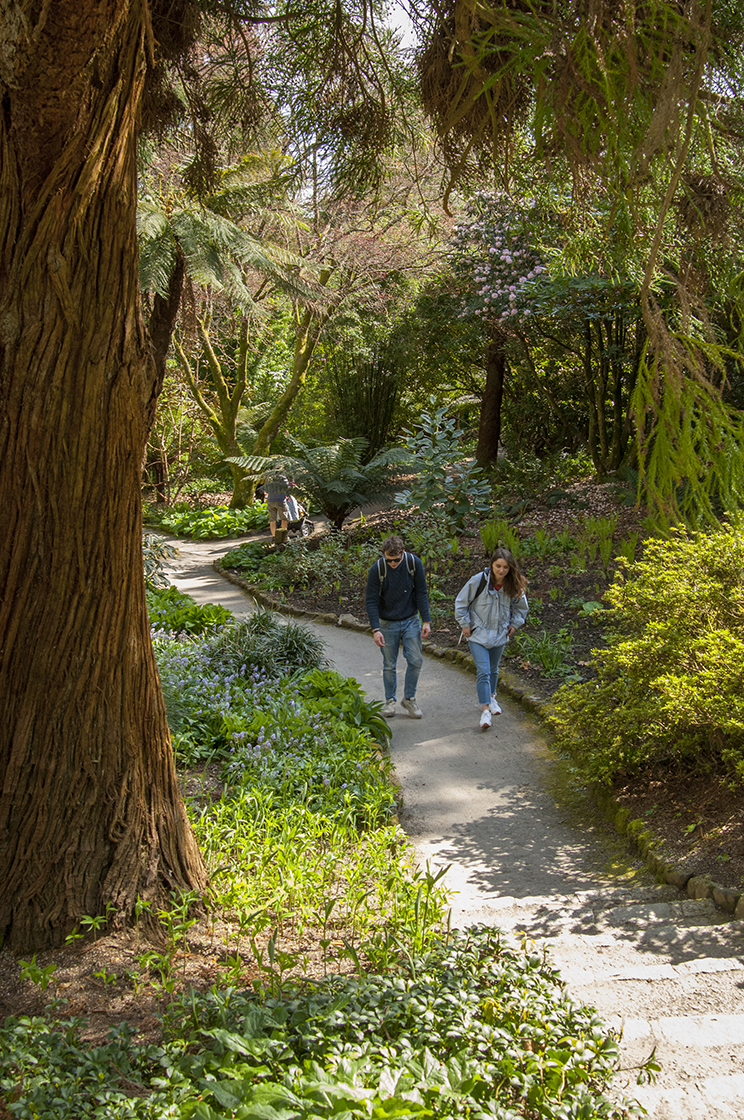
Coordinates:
x,y
157,260
152,220
255,466
157,247
335,478
238,293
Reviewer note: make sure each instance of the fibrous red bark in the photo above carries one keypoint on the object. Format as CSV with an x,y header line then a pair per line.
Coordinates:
x,y
90,811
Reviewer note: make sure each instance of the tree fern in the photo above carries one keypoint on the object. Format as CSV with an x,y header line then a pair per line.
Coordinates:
x,y
334,477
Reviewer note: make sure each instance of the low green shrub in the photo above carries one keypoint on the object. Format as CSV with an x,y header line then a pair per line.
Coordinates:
x,y
214,522
333,560
251,558
429,535
474,1027
155,553
446,481
671,684
262,640
172,610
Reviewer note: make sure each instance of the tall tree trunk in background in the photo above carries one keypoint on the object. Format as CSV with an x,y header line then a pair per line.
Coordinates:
x,y
308,328
489,430
90,811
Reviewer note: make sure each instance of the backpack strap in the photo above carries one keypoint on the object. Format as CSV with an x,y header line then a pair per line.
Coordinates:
x,y
479,589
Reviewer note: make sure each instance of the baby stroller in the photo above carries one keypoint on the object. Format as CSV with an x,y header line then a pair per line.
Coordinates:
x,y
299,523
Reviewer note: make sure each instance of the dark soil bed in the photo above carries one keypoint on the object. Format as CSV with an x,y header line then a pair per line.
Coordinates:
x,y
698,819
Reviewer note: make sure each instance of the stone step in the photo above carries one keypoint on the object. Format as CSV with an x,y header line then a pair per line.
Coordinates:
x,y
625,948
716,1097
544,914
701,1057
636,971
706,1031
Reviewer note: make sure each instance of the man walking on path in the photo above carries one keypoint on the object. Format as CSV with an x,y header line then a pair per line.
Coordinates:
x,y
396,596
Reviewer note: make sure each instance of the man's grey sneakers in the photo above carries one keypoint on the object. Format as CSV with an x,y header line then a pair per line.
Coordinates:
x,y
494,706
388,708
485,720
412,708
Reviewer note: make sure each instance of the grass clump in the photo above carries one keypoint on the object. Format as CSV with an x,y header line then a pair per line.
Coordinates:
x,y
670,687
261,641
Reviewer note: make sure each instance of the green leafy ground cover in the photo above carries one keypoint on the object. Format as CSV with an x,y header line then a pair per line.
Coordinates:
x,y
319,980
170,610
471,1028
212,523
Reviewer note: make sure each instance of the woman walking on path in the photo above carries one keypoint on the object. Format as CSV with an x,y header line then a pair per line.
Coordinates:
x,y
490,608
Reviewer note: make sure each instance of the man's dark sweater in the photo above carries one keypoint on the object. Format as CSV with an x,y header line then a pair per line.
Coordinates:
x,y
399,595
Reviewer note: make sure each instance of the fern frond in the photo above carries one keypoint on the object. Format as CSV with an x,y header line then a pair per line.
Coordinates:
x,y
255,466
157,248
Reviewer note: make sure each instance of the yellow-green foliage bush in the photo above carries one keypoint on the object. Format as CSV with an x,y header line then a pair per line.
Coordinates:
x,y
671,684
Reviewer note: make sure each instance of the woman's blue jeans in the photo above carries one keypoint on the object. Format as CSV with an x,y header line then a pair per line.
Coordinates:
x,y
487,669
404,632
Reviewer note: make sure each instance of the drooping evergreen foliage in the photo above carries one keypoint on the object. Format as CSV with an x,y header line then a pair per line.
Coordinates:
x,y
639,105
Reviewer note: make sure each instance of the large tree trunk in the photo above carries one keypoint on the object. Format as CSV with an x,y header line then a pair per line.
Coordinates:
x,y
489,429
90,811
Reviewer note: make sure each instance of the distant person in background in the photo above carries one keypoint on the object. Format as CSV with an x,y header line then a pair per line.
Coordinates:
x,y
298,522
490,608
277,492
396,598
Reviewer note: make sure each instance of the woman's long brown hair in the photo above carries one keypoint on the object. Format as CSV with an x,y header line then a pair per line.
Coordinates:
x,y
515,583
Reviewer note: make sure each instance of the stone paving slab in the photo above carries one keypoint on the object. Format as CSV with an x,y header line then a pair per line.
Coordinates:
x,y
688,1030
710,1098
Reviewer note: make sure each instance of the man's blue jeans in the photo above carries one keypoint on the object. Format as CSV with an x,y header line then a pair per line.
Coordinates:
x,y
487,668
404,632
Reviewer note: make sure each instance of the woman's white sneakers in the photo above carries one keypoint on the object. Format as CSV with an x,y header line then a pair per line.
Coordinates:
x,y
485,720
495,707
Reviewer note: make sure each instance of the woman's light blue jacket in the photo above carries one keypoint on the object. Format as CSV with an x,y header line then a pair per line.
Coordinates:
x,y
490,615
